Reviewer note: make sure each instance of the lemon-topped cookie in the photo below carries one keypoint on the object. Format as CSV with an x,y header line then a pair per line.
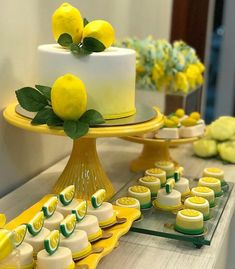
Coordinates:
x,y
151,182
167,166
142,194
128,202
206,193
212,183
157,172
214,172
189,221
200,204
75,240
102,210
53,218
53,255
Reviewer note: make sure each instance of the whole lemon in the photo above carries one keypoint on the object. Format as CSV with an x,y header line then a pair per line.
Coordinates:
x,y
68,97
189,122
100,30
195,115
67,19
180,112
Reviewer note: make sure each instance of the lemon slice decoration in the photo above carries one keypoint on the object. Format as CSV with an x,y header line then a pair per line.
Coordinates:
x,y
170,185
2,220
52,241
177,176
68,225
19,234
67,195
214,170
6,243
139,189
210,180
203,189
98,198
80,210
36,224
127,201
190,213
49,207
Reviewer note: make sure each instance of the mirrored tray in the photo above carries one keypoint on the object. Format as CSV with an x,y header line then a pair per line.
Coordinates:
x,y
160,223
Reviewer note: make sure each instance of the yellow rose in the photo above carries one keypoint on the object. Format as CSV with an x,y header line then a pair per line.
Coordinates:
x,y
181,82
200,66
192,73
199,79
157,72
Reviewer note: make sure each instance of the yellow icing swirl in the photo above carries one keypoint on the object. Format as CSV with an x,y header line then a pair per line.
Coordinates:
x,y
190,213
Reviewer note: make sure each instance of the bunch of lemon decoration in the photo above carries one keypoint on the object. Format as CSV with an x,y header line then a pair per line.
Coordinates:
x,y
219,140
162,66
71,31
65,103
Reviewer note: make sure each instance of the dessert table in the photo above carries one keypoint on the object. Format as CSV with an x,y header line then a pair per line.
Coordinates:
x,y
139,250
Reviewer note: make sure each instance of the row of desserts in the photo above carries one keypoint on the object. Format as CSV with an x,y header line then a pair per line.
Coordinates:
x,y
68,216
179,125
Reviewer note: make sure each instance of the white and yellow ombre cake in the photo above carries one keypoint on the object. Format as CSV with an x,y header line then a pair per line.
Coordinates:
x,y
142,194
168,201
212,183
182,186
159,173
214,172
189,221
151,182
200,204
167,166
128,202
109,76
206,193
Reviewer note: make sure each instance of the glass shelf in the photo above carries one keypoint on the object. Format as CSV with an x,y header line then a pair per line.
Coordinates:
x,y
161,223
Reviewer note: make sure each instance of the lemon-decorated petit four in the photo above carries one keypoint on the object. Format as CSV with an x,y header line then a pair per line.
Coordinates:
x,y
168,200
159,173
200,204
52,217
167,166
212,183
142,194
182,185
128,202
189,221
151,182
192,126
214,172
102,210
76,241
206,193
54,256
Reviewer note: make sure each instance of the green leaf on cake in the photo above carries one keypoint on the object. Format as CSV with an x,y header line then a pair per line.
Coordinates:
x,y
79,50
85,21
92,117
75,129
54,120
65,40
30,99
47,116
46,91
93,44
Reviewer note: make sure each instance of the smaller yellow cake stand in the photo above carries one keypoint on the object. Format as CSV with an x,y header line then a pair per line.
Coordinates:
x,y
84,169
155,150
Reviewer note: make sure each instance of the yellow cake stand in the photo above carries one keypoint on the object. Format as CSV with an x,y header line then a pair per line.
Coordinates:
x,y
84,169
155,150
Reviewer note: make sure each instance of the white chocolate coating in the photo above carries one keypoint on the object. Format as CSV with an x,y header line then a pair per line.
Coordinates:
x,y
37,242
89,224
182,185
109,76
192,131
66,210
53,223
170,133
168,199
61,259
103,213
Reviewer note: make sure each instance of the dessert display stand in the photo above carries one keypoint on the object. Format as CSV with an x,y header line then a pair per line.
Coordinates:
x,y
155,150
84,169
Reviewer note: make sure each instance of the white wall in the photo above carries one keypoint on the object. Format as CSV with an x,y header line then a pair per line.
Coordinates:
x,y
23,25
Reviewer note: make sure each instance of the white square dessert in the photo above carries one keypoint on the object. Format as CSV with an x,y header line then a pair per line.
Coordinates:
x,y
191,131
168,133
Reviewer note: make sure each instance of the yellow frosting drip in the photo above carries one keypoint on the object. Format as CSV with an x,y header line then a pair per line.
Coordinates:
x,y
209,179
202,189
155,171
149,179
213,170
127,201
139,189
190,213
197,200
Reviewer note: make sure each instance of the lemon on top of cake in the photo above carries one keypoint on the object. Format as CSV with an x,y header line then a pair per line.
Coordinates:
x,y
36,232
53,255
75,240
142,194
214,172
151,182
189,221
128,202
157,172
53,218
200,204
212,183
167,166
169,129
87,223
67,202
104,211
206,193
